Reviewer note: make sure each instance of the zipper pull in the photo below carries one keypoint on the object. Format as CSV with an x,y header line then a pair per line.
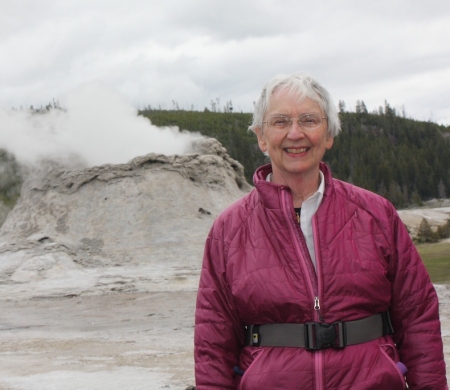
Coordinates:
x,y
316,303
317,308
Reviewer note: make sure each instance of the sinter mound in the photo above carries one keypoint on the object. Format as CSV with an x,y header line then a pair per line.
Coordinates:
x,y
139,226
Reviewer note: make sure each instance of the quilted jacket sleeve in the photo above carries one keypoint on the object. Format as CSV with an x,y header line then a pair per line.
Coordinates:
x,y
216,325
415,315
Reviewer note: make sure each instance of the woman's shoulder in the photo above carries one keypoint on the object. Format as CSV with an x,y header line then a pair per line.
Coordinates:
x,y
237,213
367,207
363,199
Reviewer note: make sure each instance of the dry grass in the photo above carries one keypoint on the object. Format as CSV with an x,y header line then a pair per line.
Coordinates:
x,y
436,258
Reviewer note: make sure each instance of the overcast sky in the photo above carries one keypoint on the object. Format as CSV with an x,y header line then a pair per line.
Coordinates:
x,y
154,52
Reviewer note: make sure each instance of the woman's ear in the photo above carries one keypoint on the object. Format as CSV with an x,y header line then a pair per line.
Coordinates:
x,y
329,142
261,140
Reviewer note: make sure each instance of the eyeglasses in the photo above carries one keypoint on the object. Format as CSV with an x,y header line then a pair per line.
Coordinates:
x,y
283,122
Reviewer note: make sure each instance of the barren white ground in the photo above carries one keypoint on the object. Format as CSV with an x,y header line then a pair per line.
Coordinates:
x,y
120,339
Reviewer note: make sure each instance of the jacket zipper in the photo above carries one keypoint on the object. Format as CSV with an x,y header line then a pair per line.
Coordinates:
x,y
311,278
316,303
319,354
296,232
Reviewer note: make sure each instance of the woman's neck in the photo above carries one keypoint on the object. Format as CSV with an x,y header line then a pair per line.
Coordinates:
x,y
302,186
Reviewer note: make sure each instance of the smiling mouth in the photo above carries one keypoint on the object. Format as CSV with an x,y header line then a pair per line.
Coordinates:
x,y
296,150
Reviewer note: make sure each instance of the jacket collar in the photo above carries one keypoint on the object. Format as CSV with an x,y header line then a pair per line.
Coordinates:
x,y
270,192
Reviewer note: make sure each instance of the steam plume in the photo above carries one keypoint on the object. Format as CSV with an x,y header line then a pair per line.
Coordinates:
x,y
97,127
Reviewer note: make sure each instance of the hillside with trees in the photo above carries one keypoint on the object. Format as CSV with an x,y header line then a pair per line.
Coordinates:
x,y
404,160
401,159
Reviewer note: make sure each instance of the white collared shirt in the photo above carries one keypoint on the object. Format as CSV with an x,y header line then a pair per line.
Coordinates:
x,y
309,208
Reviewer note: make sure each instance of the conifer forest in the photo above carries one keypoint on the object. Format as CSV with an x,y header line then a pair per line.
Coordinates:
x,y
405,160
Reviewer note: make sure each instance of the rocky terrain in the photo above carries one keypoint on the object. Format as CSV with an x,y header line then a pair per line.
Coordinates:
x,y
99,269
435,212
133,227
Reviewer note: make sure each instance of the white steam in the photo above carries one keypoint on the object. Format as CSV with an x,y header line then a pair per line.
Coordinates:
x,y
97,127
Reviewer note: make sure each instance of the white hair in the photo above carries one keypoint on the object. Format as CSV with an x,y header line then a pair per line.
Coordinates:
x,y
301,85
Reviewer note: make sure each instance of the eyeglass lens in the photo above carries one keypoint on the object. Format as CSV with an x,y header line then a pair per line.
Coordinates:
x,y
307,121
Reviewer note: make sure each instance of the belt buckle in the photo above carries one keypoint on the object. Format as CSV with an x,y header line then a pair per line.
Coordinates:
x,y
320,335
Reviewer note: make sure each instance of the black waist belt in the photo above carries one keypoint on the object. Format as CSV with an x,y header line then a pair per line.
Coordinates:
x,y
318,335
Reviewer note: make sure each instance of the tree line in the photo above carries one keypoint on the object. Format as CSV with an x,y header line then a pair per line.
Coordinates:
x,y
405,160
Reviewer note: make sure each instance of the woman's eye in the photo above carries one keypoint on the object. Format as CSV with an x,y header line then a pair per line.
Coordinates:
x,y
310,120
281,122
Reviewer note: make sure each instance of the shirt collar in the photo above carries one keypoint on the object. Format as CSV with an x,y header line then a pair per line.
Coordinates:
x,y
320,190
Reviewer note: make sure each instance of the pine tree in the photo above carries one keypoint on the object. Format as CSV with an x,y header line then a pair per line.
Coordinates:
x,y
425,233
443,231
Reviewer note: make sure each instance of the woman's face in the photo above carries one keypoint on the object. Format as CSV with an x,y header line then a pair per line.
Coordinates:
x,y
295,151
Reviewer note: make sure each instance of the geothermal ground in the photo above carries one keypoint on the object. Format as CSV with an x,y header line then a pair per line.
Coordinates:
x,y
121,340
99,270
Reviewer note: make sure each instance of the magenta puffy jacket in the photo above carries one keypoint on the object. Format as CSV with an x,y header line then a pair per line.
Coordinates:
x,y
257,270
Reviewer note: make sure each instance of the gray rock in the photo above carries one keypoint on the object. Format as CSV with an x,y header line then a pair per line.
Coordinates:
x,y
153,212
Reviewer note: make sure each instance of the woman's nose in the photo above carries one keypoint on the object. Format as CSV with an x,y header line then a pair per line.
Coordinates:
x,y
295,130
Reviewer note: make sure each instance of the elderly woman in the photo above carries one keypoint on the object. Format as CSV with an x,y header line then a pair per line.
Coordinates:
x,y
309,282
